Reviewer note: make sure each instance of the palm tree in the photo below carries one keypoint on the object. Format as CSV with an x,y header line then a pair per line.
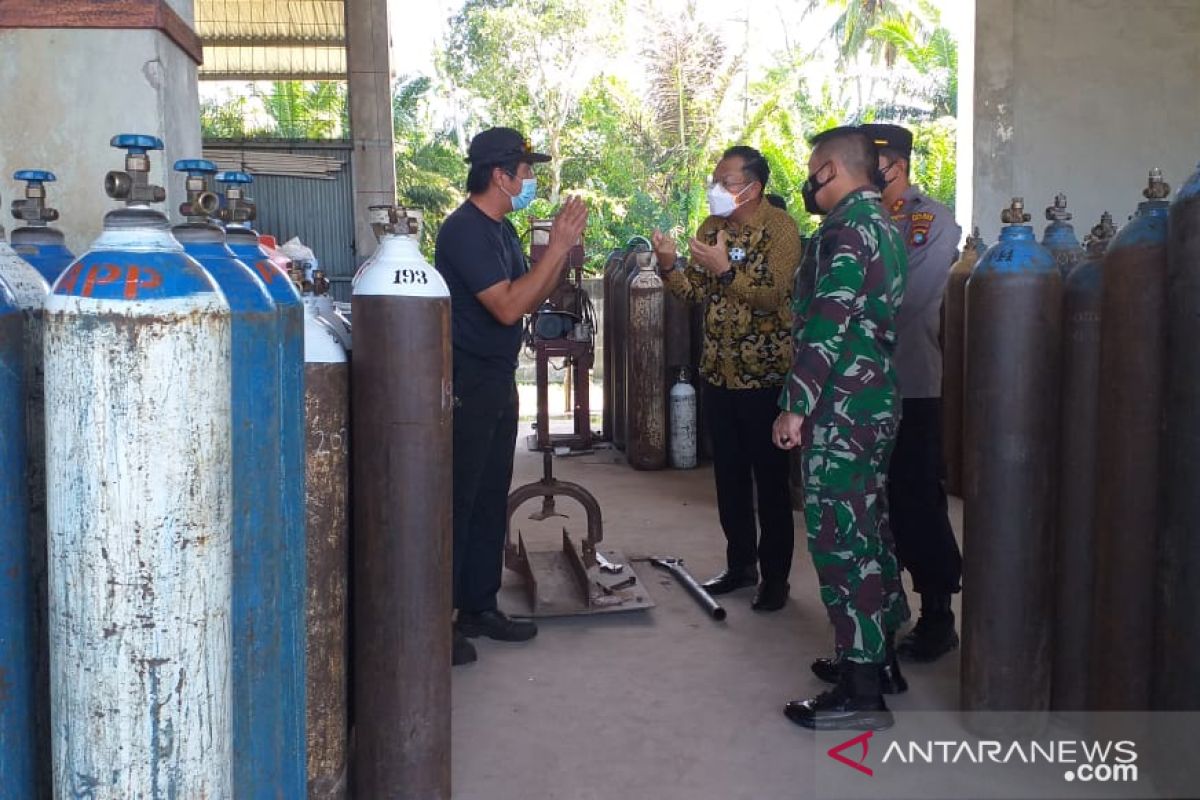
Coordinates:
x,y
307,109
689,76
852,28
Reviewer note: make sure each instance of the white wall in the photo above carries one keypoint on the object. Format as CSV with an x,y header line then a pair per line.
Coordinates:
x,y
1082,96
67,92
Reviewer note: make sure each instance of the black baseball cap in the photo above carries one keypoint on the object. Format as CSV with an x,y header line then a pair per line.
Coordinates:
x,y
891,137
500,145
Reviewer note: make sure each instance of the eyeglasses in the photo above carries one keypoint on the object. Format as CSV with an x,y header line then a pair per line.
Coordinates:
x,y
730,184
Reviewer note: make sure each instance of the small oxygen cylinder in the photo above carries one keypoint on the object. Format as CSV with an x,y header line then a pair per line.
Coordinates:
x,y
683,423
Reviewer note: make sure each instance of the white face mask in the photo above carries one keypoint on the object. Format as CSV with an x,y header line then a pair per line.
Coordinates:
x,y
721,202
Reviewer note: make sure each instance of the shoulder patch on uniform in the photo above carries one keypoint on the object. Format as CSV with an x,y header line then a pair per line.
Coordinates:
x,y
918,234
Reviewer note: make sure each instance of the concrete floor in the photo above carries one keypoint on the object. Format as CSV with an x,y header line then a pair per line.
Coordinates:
x,y
660,704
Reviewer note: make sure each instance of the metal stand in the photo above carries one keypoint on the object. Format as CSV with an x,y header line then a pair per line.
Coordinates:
x,y
582,357
571,580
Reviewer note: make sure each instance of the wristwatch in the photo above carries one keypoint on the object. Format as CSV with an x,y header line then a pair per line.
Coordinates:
x,y
679,263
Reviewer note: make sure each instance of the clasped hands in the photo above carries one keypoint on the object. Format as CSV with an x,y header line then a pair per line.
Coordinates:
x,y
712,257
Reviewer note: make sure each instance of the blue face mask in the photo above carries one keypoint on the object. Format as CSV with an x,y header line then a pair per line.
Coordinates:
x,y
528,192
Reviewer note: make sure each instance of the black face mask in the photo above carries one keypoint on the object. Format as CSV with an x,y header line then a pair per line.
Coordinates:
x,y
879,177
810,188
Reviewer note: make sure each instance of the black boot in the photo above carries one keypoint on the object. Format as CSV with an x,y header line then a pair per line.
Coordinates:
x,y
891,680
855,704
933,636
731,580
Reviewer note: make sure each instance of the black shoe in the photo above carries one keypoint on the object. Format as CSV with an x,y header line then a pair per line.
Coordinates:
x,y
855,704
891,680
461,651
771,596
933,636
731,580
495,624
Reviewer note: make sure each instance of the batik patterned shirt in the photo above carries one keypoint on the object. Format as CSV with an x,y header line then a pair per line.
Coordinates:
x,y
747,316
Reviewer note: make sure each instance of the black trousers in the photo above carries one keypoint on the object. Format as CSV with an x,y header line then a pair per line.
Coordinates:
x,y
485,433
745,459
925,541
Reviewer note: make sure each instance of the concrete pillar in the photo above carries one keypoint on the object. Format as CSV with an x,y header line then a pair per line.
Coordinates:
x,y
1082,96
66,92
373,164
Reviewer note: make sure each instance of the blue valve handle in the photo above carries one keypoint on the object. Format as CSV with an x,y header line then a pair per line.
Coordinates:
x,y
136,143
234,177
196,167
35,177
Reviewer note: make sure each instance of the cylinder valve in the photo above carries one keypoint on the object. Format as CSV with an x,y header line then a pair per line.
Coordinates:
x,y
238,208
133,185
1058,212
1157,189
201,202
1015,214
32,209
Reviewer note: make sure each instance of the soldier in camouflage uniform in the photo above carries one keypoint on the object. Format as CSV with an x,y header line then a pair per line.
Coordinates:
x,y
841,406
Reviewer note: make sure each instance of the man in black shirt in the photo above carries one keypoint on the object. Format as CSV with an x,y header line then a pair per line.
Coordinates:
x,y
491,290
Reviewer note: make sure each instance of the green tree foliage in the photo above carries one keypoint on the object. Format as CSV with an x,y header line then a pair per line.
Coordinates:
x,y
299,110
307,109
524,60
430,171
636,115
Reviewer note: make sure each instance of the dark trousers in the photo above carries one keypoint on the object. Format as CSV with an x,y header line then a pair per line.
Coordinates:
x,y
485,433
745,458
920,522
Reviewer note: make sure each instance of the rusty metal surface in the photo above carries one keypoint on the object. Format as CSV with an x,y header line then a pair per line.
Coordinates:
x,y
1074,562
647,407
1012,384
401,399
1132,352
327,437
953,360
548,488
570,580
555,586
677,336
620,307
139,525
607,344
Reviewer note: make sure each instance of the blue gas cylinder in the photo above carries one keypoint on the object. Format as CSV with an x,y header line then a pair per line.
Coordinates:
x,y
36,242
17,703
139,465
1059,237
268,690
281,653
1012,377
29,290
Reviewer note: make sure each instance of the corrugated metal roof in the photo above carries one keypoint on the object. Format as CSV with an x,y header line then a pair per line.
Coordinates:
x,y
272,39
